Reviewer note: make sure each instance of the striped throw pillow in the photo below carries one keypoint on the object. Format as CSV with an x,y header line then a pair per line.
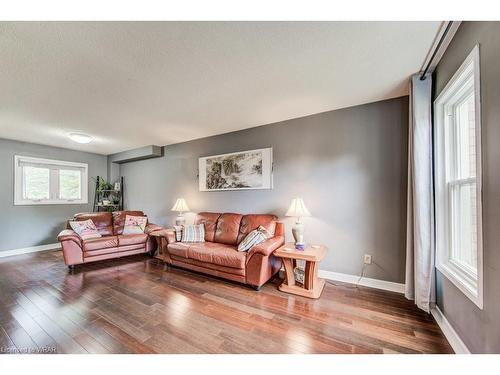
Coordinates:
x,y
253,238
178,232
193,233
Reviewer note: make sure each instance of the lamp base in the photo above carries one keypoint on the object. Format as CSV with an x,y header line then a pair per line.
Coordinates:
x,y
298,235
300,246
180,220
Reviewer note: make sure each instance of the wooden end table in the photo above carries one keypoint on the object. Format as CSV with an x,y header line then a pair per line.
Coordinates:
x,y
159,236
313,285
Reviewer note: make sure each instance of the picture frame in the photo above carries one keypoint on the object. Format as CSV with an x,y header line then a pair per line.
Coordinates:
x,y
243,170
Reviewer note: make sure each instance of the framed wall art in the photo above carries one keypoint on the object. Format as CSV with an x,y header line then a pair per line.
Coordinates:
x,y
245,170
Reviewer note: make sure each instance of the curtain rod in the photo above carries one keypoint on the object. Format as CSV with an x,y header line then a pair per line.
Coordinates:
x,y
438,46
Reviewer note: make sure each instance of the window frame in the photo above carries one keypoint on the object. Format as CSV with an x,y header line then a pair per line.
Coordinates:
x,y
55,165
470,283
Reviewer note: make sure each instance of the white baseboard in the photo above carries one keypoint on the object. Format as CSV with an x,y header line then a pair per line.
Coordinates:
x,y
32,249
451,335
365,281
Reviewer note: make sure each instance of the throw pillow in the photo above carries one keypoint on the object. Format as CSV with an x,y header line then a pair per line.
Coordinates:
x,y
193,233
265,231
85,229
178,232
253,238
135,224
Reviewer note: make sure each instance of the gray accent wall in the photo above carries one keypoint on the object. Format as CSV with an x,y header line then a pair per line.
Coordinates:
x,y
27,226
349,166
479,329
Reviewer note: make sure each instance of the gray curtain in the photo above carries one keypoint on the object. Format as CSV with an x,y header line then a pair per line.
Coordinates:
x,y
419,283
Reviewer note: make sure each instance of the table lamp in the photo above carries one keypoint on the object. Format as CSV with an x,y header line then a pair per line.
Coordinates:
x,y
180,206
298,209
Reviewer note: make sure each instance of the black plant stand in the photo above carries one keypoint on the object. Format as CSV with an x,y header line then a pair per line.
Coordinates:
x,y
102,194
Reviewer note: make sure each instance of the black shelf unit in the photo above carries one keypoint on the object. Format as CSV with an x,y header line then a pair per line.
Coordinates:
x,y
100,195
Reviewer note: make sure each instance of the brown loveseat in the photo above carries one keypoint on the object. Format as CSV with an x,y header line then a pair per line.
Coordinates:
x,y
218,255
112,244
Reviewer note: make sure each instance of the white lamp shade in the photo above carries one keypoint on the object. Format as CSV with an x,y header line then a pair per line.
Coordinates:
x,y
297,208
180,205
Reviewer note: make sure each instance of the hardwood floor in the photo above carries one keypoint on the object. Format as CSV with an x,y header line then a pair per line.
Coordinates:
x,y
133,305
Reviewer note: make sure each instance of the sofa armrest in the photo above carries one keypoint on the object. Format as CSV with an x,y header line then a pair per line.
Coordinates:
x,y
267,247
168,234
69,235
71,245
152,228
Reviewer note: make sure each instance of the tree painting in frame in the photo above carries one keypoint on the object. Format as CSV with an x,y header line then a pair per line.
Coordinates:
x,y
246,170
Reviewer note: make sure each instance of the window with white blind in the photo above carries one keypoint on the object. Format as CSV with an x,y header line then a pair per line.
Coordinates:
x,y
44,181
458,180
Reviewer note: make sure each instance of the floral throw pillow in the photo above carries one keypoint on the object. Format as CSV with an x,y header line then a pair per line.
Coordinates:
x,y
85,229
135,224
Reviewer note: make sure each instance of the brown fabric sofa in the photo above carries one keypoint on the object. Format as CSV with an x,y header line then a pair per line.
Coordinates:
x,y
112,244
218,255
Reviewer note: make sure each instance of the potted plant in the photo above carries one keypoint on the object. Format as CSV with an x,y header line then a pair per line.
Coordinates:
x,y
115,199
104,187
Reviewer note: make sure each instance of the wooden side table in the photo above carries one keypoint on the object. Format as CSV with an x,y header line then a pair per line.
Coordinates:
x,y
159,236
313,285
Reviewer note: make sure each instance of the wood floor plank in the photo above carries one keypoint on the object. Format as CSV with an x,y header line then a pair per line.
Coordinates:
x,y
20,338
110,313
117,340
133,305
37,334
8,347
65,343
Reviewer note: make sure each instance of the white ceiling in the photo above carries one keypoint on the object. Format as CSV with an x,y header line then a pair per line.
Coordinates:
x,y
131,84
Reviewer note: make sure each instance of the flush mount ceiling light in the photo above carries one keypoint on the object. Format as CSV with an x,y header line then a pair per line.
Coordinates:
x,y
80,138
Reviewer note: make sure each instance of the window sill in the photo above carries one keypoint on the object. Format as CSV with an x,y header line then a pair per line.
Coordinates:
x,y
48,202
470,289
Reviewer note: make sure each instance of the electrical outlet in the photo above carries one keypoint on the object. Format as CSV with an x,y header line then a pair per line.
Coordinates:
x,y
367,259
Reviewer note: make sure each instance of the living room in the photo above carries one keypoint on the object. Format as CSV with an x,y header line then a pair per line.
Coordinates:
x,y
227,186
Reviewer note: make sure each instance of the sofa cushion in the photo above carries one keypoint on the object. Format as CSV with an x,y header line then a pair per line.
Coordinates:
x,y
227,229
102,220
119,219
252,222
209,220
113,250
204,266
100,243
132,239
216,253
179,248
209,252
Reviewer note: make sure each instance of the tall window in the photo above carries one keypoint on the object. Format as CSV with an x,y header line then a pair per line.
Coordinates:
x,y
43,181
458,180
